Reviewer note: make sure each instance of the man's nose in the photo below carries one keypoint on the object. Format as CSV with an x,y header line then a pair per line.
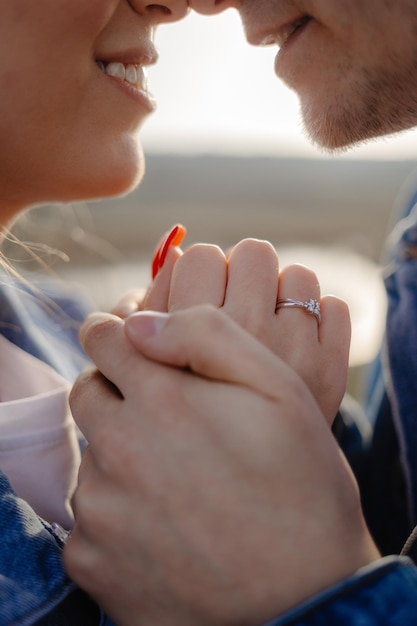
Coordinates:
x,y
163,11
210,7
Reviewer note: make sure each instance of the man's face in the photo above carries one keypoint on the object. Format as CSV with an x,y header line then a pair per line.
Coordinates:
x,y
353,63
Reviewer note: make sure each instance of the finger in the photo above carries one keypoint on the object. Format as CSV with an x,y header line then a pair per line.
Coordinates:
x,y
157,295
297,282
103,339
335,328
209,343
199,277
335,331
94,325
90,389
130,302
252,284
172,238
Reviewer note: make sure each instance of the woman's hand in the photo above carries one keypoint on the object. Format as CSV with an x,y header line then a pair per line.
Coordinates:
x,y
246,283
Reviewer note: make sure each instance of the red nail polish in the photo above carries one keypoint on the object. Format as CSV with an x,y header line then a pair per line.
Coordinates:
x,y
155,262
174,238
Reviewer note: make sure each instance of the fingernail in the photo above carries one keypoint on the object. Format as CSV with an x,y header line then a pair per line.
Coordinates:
x,y
145,324
60,533
174,238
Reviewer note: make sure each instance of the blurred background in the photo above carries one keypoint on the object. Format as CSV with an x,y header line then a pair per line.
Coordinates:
x,y
226,156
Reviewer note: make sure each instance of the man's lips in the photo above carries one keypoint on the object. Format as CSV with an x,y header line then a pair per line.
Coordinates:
x,y
281,36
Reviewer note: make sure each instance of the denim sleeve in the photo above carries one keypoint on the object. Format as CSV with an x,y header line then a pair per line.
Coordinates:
x,y
34,589
382,594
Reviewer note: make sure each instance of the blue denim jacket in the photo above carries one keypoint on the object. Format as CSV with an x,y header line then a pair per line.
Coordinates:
x,y
386,593
34,589
33,586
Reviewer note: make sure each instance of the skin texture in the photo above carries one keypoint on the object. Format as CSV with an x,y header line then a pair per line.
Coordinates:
x,y
353,67
169,484
246,285
230,480
66,132
266,443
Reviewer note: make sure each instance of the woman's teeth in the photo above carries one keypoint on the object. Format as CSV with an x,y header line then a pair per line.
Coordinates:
x,y
132,74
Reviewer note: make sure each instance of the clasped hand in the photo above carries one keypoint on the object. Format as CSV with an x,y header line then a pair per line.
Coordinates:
x,y
212,490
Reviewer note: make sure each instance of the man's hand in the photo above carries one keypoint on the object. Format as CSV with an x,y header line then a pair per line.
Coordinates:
x,y
212,491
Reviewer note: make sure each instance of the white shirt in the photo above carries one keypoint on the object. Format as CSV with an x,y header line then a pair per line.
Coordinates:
x,y
39,450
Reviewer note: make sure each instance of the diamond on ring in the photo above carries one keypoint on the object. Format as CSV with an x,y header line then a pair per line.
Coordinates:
x,y
311,306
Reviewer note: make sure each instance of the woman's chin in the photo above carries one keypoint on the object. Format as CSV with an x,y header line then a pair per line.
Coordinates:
x,y
113,179
122,184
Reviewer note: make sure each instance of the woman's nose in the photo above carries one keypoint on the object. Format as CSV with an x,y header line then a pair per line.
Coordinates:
x,y
210,7
162,11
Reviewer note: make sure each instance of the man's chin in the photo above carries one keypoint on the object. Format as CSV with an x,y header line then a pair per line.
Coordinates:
x,y
335,136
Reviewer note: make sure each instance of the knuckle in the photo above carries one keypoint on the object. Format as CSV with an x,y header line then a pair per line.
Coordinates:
x,y
98,331
299,272
204,321
212,324
201,254
338,309
82,384
341,306
79,385
258,247
213,319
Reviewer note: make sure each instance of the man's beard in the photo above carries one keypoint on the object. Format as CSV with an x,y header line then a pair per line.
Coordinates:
x,y
383,104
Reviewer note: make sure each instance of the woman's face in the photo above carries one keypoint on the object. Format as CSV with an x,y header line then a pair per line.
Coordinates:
x,y
68,128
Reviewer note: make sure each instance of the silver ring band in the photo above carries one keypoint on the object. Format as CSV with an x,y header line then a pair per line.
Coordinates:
x,y
311,306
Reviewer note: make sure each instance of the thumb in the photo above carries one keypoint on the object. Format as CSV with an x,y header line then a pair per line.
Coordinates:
x,y
208,342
